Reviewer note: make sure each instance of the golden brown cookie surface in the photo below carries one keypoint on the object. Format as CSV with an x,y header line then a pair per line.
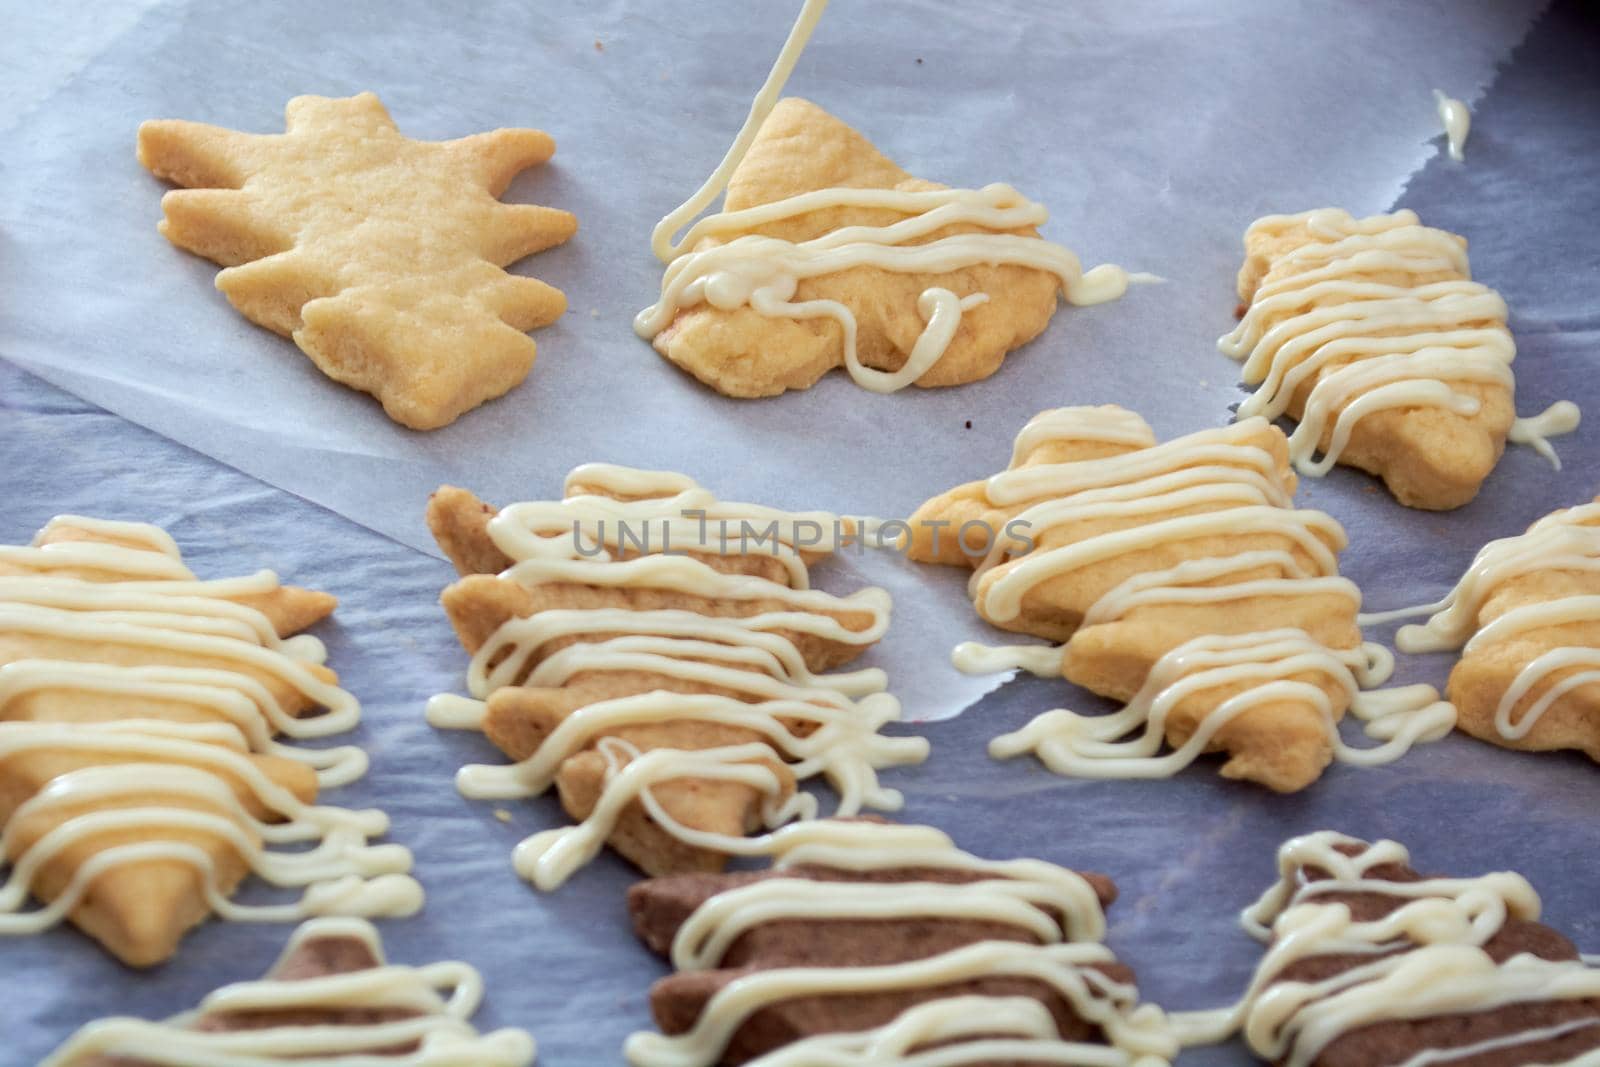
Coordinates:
x,y
1526,616
1372,335
741,352
379,255
1181,580
142,775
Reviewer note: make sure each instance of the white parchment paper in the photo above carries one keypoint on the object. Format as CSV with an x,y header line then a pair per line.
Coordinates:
x,y
1155,132
1154,135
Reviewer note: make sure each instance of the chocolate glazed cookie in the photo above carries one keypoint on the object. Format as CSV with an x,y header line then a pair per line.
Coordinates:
x,y
852,931
1370,964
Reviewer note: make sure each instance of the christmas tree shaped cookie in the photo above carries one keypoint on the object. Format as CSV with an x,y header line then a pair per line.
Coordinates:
x,y
826,254
1373,336
379,255
1369,963
868,943
331,998
142,775
1184,582
1526,616
659,657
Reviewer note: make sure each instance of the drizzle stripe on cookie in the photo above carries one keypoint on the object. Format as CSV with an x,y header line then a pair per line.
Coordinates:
x,y
174,642
1237,484
1361,346
764,273
819,724
1442,923
439,1028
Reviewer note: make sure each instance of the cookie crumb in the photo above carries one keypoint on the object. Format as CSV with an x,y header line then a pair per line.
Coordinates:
x,y
598,46
502,814
594,313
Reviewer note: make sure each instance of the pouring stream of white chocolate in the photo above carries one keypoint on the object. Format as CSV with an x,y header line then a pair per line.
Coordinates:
x,y
764,273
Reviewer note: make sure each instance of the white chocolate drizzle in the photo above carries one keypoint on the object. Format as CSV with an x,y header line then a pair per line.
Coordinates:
x,y
974,657
764,273
1066,968
1106,424
1457,121
1039,898
1361,345
817,724
188,765
444,997
1092,746
1237,484
969,1031
147,777
1446,921
1563,541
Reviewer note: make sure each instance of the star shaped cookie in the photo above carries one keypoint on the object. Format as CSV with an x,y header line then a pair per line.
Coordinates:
x,y
379,255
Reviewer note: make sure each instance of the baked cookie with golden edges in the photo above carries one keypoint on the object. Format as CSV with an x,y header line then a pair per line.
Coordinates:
x,y
659,657
142,775
1181,580
1526,616
379,255
846,260
1372,335
332,997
